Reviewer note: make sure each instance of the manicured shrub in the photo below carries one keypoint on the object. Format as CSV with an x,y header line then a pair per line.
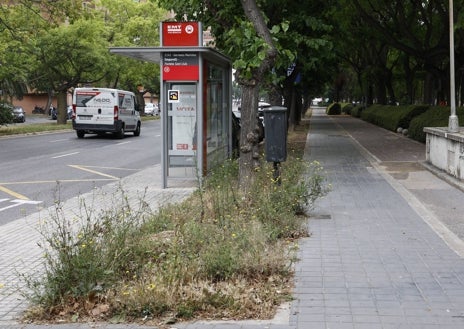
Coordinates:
x,y
346,108
372,114
334,109
392,117
357,110
435,116
410,112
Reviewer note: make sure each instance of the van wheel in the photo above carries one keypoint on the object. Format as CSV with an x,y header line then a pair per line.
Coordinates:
x,y
80,133
120,133
137,130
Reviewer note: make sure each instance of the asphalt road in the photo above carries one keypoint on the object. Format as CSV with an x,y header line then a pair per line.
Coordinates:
x,y
38,170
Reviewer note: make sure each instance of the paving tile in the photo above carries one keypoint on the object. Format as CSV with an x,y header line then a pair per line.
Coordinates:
x,y
374,264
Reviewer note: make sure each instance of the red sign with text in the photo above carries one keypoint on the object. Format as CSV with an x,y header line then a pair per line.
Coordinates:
x,y
180,66
181,34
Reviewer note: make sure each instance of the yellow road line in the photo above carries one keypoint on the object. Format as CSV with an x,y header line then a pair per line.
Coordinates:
x,y
22,197
93,171
12,193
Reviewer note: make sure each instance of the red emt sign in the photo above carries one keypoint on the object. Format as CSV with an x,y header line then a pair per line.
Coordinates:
x,y
181,34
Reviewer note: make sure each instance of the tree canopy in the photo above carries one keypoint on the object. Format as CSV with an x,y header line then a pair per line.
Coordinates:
x,y
399,50
264,39
54,46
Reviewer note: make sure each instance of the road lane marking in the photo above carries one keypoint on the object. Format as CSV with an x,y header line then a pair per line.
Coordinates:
x,y
13,193
17,203
59,140
93,171
59,181
113,168
122,143
64,155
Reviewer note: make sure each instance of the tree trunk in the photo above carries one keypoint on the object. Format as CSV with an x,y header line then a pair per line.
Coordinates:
x,y
275,95
249,137
380,91
428,97
291,111
62,104
409,80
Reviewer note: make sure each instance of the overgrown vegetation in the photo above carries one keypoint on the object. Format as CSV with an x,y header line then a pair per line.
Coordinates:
x,y
220,254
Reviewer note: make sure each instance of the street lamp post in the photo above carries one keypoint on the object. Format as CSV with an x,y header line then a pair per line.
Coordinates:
x,y
453,123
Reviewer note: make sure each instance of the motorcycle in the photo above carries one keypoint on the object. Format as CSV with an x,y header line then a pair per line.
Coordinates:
x,y
53,113
38,110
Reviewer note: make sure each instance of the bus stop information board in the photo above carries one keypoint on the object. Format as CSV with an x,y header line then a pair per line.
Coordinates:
x,y
180,66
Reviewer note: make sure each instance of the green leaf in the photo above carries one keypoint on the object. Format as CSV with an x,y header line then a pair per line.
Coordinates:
x,y
285,26
275,29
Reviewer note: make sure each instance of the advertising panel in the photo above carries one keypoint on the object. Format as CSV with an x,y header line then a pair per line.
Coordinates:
x,y
184,117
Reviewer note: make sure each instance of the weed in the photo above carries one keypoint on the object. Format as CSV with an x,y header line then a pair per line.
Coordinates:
x,y
220,253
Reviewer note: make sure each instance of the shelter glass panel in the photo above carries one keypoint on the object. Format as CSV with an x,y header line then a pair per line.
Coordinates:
x,y
182,124
216,115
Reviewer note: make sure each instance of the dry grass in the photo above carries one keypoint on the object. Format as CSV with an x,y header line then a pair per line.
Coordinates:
x,y
218,255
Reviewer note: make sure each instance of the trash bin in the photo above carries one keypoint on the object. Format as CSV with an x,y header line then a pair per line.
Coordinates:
x,y
275,126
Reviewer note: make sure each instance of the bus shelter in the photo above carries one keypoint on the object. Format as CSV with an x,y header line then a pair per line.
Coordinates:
x,y
196,107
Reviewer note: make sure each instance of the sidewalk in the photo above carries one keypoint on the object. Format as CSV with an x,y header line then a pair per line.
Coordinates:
x,y
373,260
384,250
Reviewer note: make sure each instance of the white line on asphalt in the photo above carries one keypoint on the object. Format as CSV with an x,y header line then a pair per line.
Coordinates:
x,y
122,143
64,155
18,202
59,140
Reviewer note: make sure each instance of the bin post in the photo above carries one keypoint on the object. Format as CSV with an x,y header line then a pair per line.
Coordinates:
x,y
275,141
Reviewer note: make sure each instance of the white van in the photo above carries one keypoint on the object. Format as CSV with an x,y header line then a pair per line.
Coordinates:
x,y
102,110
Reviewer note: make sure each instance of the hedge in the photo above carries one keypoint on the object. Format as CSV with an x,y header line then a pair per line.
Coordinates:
x,y
392,117
357,110
412,117
435,116
334,109
346,108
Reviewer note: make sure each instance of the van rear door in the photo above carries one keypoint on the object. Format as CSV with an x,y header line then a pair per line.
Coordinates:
x,y
127,112
95,106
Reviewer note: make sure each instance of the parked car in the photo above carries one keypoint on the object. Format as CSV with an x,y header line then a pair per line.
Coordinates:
x,y
151,109
19,115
